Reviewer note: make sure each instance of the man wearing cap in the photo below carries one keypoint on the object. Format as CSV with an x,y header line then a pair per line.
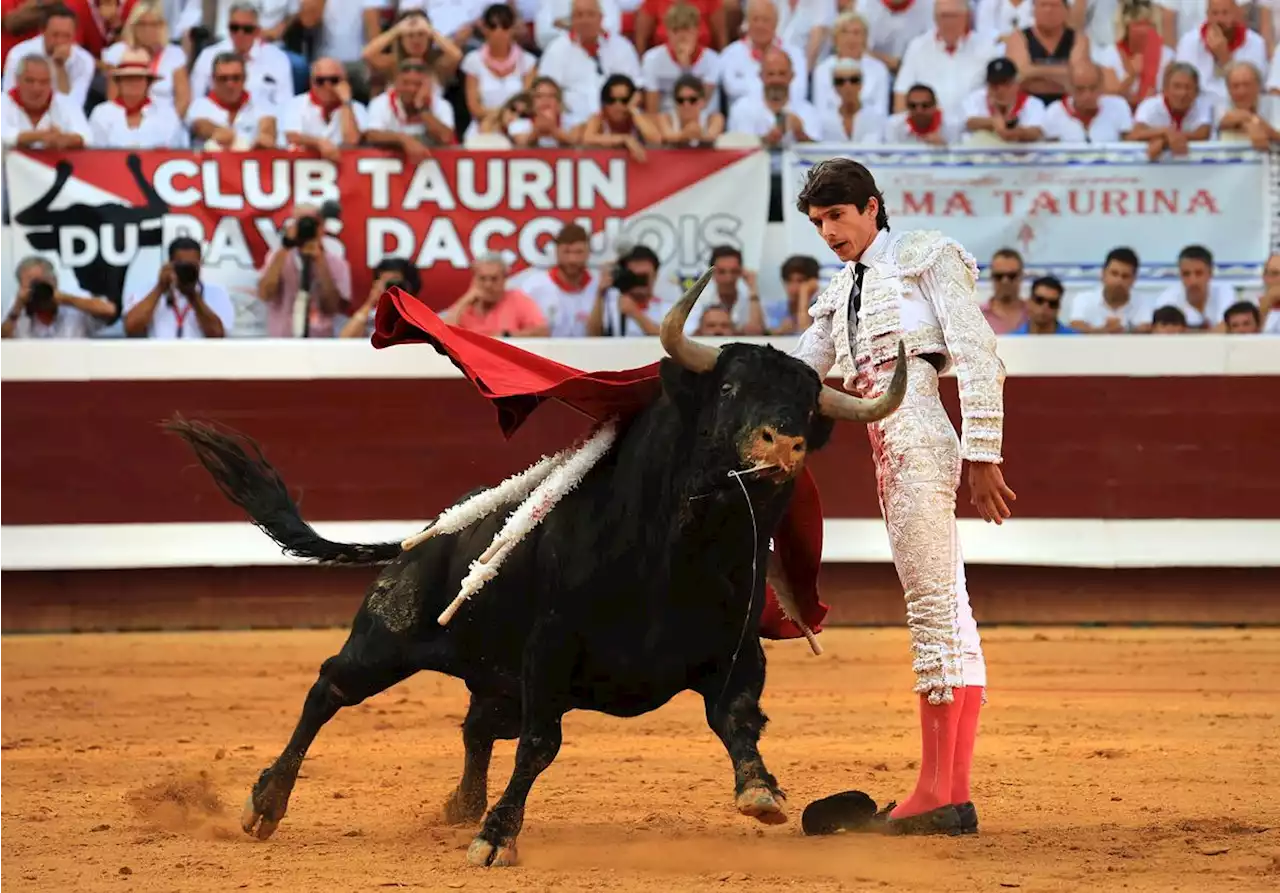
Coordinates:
x,y
1003,108
132,120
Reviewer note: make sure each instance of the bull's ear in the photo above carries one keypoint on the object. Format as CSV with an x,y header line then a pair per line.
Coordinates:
x,y
820,431
680,385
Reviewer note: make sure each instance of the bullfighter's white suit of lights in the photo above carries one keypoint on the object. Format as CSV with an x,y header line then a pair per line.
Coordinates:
x,y
920,287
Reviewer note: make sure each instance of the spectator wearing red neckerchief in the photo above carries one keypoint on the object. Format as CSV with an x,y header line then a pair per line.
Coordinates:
x,y
922,121
1175,117
1003,108
1223,38
583,59
24,19
651,29
740,61
1133,67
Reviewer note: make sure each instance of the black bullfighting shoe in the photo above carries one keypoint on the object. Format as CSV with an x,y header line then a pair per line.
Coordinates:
x,y
943,820
968,817
846,811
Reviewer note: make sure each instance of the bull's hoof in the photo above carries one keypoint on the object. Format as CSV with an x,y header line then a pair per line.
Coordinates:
x,y
484,854
461,809
264,809
255,823
762,805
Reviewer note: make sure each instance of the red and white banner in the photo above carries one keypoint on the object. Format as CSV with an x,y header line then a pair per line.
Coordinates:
x,y
107,216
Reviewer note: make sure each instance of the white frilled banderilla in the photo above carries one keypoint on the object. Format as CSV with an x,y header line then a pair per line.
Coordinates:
x,y
538,489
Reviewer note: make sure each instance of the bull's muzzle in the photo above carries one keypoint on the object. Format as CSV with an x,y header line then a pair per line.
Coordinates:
x,y
774,454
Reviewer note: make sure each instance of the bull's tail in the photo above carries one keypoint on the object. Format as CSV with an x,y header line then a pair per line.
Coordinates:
x,y
245,477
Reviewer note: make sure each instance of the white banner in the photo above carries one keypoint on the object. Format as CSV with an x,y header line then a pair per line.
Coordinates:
x,y
1065,208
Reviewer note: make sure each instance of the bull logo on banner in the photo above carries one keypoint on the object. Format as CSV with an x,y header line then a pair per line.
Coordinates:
x,y
97,242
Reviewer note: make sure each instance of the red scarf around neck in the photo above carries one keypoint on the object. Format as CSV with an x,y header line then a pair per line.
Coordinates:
x,y
325,109
131,110
231,110
1152,51
501,68
592,49
697,54
563,284
1176,118
1235,37
1014,112
35,114
1070,108
898,6
935,124
758,54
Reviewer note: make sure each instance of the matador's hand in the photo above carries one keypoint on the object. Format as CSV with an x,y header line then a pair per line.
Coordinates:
x,y
988,492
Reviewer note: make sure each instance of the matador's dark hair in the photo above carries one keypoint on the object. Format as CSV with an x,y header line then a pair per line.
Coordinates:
x,y
841,181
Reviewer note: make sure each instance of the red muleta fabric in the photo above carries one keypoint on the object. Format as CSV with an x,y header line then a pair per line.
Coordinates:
x,y
517,381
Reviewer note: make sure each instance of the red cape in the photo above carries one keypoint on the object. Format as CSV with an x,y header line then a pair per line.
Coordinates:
x,y
516,381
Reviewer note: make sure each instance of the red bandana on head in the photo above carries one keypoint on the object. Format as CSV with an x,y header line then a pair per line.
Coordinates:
x,y
935,124
35,114
1235,37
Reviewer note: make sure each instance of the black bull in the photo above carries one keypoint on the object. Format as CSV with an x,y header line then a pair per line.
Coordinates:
x,y
643,582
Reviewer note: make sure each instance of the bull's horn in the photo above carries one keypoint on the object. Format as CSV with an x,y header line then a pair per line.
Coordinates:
x,y
840,406
688,353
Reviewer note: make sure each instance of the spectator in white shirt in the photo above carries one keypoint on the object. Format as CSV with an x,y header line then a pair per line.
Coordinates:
x,y
893,24
1249,114
268,70
951,59
35,116
742,61
499,70
181,305
567,292
1087,115
1176,117
42,310
549,127
681,55
922,121
771,112
72,66
850,37
1134,64
581,60
691,122
850,121
1223,38
273,15
1112,308
1202,301
145,29
805,26
131,120
230,117
325,118
638,299
412,37
1000,18
410,117
1003,108
554,19
1273,80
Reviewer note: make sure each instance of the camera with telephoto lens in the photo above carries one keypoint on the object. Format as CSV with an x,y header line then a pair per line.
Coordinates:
x,y
187,274
40,298
308,228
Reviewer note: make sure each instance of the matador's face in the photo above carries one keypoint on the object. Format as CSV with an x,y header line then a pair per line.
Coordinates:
x,y
846,230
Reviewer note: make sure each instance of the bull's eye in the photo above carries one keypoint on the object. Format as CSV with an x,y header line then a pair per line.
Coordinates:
x,y
726,388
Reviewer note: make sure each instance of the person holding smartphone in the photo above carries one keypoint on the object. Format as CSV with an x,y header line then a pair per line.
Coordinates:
x,y
181,304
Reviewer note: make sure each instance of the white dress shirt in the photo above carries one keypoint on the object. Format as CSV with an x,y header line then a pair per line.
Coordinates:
x,y
268,72
740,72
544,25
1092,308
1112,121
81,67
1154,112
386,113
244,120
302,114
581,76
876,80
659,72
890,32
750,115
170,60
62,113
868,127
1213,82
160,127
953,76
175,318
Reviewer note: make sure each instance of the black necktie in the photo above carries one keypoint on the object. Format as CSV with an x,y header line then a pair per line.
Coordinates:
x,y
855,295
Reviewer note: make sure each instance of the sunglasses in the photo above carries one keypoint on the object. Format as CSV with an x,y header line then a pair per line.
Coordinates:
x,y
687,99
617,100
242,29
840,82
1051,303
1006,277
327,80
228,78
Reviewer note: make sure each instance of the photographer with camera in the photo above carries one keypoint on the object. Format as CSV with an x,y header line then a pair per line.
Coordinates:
x,y
304,285
181,305
391,272
41,310
639,299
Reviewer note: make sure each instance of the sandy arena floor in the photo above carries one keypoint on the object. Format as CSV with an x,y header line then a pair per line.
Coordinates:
x,y
1142,760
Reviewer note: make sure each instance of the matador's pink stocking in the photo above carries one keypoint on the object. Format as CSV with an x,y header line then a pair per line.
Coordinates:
x,y
939,724
969,699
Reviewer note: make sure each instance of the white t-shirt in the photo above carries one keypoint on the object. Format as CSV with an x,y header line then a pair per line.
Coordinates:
x,y
386,113
1092,308
1112,121
160,127
740,72
868,127
898,130
750,115
1221,296
244,121
1153,112
81,67
889,32
580,76
567,312
876,80
268,72
1030,113
659,72
303,115
63,113
174,317
1213,83
170,60
953,76
494,89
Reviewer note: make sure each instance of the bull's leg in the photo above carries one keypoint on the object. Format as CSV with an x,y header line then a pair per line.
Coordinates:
x,y
342,683
489,718
734,714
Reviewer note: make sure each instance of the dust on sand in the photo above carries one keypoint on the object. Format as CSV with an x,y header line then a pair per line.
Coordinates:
x,y
1141,760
